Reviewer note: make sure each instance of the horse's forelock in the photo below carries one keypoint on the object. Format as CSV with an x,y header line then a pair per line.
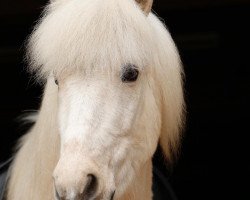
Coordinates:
x,y
88,35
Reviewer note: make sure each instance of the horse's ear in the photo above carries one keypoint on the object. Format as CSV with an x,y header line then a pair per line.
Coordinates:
x,y
146,5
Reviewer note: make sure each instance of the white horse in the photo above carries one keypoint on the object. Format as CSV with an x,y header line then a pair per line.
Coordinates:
x,y
113,92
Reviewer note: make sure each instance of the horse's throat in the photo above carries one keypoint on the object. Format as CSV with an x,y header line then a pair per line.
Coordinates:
x,y
141,187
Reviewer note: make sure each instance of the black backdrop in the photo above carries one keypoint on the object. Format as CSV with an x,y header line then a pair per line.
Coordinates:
x,y
213,39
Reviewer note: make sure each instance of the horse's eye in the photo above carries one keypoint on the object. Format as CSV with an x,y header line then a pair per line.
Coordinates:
x,y
129,74
56,81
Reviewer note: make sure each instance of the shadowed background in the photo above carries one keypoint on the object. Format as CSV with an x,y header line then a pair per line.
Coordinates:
x,y
213,40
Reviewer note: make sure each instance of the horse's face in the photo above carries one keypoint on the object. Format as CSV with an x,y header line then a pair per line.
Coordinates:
x,y
107,123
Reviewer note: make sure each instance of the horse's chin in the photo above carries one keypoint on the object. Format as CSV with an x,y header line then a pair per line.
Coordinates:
x,y
102,196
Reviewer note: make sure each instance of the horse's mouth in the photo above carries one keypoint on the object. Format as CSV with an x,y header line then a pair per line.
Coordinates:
x,y
111,196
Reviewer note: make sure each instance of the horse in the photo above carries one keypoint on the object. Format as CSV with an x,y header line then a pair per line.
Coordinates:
x,y
113,92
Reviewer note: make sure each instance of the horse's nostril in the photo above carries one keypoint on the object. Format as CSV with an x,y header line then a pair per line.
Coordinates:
x,y
91,186
87,191
112,195
58,197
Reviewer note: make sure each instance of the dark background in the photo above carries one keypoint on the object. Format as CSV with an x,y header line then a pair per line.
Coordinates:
x,y
213,40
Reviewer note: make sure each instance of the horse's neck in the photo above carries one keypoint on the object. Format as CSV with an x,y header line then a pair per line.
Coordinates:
x,y
141,187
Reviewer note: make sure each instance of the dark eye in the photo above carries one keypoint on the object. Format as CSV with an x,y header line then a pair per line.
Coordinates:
x,y
56,81
129,73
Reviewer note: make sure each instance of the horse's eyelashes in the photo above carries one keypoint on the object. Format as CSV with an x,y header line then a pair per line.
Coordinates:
x,y
129,74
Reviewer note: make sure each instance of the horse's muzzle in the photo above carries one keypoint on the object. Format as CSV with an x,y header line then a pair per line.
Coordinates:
x,y
89,191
